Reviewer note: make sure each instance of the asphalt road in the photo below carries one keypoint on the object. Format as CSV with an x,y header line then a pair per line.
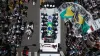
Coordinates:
x,y
33,15
63,36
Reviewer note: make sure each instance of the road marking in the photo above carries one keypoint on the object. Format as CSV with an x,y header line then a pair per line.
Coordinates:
x,y
17,54
35,53
21,54
62,54
29,54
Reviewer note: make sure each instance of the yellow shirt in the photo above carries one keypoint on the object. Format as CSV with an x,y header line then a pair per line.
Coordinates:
x,y
21,2
11,6
17,2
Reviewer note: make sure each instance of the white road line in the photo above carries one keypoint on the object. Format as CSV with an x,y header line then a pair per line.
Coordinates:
x,y
29,54
21,54
17,54
35,53
62,54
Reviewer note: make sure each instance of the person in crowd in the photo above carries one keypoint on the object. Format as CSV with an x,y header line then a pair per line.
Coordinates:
x,y
25,13
28,1
13,34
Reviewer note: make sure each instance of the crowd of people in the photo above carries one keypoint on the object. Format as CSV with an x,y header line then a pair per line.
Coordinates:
x,y
74,44
93,42
93,7
81,45
77,45
12,26
88,44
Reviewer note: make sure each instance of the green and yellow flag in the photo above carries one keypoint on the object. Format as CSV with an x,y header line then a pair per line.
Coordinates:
x,y
80,19
67,13
49,24
85,27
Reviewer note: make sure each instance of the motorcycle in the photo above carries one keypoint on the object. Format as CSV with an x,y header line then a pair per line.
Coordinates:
x,y
29,33
29,30
34,2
